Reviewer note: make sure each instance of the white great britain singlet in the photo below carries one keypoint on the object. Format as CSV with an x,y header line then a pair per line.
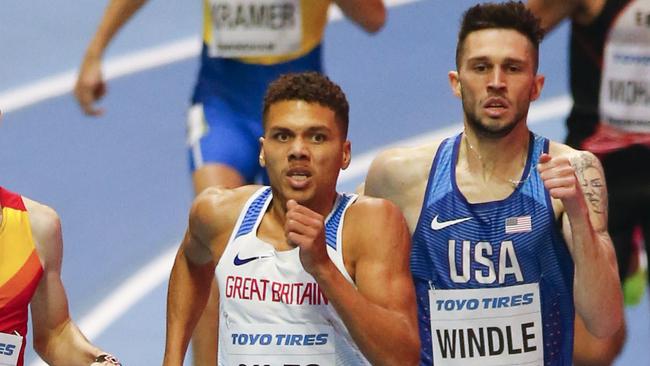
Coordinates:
x,y
272,312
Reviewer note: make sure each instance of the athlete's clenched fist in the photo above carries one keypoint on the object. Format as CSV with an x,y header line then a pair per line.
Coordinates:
x,y
306,229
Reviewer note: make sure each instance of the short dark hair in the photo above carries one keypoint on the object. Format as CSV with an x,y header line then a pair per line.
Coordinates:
x,y
509,15
311,87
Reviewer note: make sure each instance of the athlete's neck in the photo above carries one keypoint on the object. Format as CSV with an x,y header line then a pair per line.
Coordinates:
x,y
322,204
503,157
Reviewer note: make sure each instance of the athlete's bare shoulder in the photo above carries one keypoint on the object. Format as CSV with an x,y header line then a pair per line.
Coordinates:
x,y
46,230
395,169
401,175
371,221
218,208
213,216
42,217
368,208
578,158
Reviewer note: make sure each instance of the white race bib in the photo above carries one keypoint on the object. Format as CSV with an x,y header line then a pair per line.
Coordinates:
x,y
625,89
625,84
255,27
486,327
280,345
10,346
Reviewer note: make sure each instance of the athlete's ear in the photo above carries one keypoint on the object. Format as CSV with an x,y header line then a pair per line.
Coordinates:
x,y
536,89
347,154
261,156
454,82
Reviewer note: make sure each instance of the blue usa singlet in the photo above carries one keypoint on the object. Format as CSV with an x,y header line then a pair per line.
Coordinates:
x,y
494,280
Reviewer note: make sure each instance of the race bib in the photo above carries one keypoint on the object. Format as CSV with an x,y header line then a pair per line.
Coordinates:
x,y
625,84
243,28
280,345
625,89
500,326
10,346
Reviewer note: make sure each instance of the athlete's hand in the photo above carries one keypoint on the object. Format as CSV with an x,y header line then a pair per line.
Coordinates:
x,y
106,359
90,86
306,229
559,177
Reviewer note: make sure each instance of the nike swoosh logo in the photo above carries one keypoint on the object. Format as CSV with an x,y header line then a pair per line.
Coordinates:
x,y
240,261
437,225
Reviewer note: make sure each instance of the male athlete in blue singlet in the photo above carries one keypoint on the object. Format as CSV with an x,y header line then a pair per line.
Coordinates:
x,y
496,283
246,45
306,276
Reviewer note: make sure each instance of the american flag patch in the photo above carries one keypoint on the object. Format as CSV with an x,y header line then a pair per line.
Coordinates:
x,y
521,224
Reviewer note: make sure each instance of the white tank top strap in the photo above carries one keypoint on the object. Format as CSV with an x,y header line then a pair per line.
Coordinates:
x,y
334,231
249,219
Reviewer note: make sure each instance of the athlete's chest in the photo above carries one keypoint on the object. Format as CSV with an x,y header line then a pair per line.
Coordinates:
x,y
485,245
253,271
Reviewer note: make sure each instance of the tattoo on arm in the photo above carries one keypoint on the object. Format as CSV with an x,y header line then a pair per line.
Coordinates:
x,y
592,180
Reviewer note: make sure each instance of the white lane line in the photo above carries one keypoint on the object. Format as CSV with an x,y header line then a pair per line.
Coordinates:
x,y
128,293
63,83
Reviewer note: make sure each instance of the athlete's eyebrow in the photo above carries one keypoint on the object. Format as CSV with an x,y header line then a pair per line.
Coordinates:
x,y
323,128
507,60
313,129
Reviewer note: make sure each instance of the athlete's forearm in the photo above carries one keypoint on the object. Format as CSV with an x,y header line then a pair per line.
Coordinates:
x,y
552,12
66,345
205,337
189,286
597,289
384,336
117,13
369,14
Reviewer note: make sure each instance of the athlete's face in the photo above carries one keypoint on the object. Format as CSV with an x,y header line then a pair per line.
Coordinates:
x,y
303,150
496,80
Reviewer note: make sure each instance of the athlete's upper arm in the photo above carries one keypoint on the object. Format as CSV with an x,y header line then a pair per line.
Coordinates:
x,y
211,220
46,231
591,179
552,12
204,226
49,304
382,257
